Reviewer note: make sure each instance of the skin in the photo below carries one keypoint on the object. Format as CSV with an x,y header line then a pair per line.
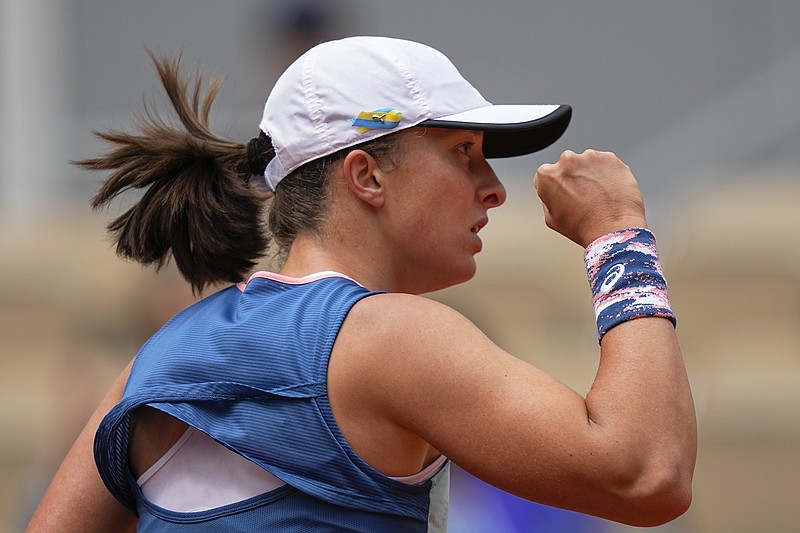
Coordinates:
x,y
436,383
76,499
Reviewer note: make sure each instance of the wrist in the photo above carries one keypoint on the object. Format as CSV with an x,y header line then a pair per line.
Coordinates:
x,y
611,226
626,278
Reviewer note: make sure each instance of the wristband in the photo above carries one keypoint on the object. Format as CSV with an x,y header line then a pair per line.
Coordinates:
x,y
626,279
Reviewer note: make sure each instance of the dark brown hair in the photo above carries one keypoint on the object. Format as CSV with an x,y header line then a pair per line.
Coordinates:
x,y
199,203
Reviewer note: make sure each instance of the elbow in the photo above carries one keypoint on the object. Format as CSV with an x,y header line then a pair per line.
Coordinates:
x,y
669,501
657,495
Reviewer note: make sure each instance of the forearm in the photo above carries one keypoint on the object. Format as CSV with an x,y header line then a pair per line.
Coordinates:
x,y
76,499
640,406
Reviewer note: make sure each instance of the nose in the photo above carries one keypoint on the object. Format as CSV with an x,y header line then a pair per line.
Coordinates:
x,y
491,192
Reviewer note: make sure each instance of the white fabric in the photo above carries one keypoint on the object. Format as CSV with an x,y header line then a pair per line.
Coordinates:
x,y
198,473
423,475
502,114
440,501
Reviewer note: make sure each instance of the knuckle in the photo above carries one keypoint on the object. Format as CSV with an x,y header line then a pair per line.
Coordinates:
x,y
568,155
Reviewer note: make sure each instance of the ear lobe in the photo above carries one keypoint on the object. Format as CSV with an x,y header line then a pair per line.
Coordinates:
x,y
364,178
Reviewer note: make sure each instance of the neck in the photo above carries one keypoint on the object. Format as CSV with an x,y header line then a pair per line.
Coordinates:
x,y
309,254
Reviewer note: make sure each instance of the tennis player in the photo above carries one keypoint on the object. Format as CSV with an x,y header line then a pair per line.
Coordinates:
x,y
330,395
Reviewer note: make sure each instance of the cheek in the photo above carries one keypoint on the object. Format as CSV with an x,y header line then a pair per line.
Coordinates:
x,y
424,234
422,222
441,201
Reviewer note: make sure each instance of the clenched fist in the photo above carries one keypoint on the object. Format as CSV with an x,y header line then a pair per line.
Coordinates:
x,y
588,195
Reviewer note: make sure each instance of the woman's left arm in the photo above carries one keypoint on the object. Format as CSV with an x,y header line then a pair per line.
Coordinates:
x,y
77,500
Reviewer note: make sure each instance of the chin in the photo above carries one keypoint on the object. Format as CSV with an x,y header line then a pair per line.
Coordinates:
x,y
467,269
457,276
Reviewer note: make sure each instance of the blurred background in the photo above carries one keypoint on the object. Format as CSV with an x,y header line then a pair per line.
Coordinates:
x,y
699,98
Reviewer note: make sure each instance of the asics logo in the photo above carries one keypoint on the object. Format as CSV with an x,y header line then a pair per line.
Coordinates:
x,y
612,277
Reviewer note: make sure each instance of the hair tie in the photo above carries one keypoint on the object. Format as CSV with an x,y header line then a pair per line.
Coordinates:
x,y
255,162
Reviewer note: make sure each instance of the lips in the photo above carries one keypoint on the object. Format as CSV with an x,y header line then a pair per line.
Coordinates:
x,y
478,244
479,225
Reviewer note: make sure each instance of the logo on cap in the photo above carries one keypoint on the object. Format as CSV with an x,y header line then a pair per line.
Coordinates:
x,y
380,119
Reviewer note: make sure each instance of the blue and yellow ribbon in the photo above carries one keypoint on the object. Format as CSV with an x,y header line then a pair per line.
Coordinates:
x,y
380,119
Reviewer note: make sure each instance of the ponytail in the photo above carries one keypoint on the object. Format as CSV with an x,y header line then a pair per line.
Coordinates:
x,y
199,204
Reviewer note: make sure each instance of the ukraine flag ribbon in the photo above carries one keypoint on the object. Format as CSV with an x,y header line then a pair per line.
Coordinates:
x,y
380,119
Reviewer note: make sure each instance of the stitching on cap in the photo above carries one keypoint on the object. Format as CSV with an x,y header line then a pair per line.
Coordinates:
x,y
415,89
315,106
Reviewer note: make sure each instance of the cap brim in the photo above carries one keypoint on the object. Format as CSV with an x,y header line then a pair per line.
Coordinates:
x,y
511,130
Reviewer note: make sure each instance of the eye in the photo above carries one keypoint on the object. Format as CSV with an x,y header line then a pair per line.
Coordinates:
x,y
466,148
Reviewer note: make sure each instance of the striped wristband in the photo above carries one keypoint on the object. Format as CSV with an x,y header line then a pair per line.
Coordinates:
x,y
626,279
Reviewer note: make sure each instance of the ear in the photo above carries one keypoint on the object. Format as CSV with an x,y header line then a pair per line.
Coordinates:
x,y
364,177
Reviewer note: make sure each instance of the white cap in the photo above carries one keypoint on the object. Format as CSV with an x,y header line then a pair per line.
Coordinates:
x,y
343,93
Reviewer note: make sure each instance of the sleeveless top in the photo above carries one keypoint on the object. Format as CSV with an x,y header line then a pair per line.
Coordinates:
x,y
247,366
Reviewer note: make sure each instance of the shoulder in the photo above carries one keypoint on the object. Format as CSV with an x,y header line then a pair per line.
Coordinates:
x,y
412,325
413,342
395,313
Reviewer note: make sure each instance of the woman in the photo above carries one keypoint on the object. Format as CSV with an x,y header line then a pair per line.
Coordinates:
x,y
329,395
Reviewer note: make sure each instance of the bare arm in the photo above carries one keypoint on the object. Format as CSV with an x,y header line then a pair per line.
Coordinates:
x,y
77,500
625,452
